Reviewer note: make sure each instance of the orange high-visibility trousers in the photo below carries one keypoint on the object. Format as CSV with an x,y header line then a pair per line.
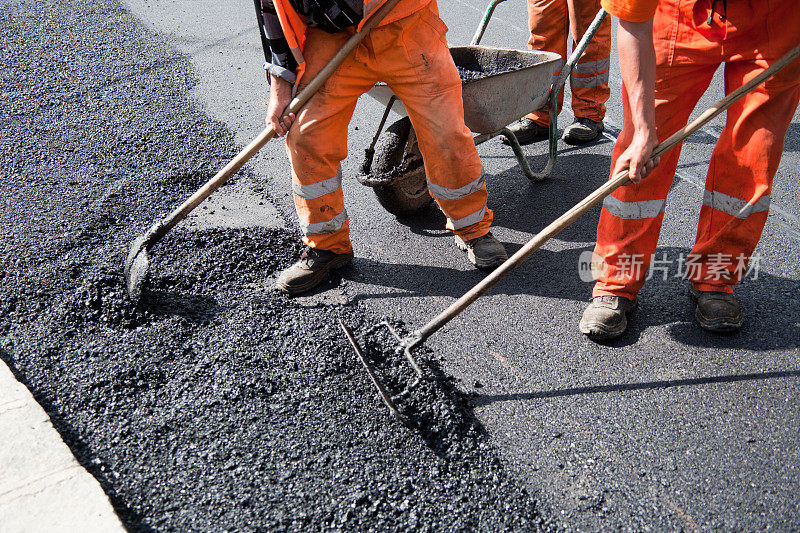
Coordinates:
x,y
750,36
550,22
412,57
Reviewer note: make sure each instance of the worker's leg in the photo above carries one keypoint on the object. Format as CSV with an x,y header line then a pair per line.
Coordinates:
x,y
317,143
548,21
739,181
746,157
589,78
422,74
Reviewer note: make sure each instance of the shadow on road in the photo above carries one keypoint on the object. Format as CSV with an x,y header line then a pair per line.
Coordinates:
x,y
546,274
528,207
486,399
770,309
791,144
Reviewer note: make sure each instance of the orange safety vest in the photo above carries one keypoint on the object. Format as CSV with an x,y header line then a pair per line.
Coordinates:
x,y
294,26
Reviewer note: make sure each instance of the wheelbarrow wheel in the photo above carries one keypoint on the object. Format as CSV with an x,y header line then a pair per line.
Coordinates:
x,y
397,149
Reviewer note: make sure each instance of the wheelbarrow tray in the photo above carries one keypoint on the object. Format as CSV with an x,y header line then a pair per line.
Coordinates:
x,y
495,96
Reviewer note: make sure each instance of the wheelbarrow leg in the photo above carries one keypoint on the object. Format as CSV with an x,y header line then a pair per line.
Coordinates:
x,y
558,84
552,151
369,153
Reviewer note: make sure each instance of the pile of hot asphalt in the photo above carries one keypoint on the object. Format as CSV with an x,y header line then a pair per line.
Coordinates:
x,y
219,404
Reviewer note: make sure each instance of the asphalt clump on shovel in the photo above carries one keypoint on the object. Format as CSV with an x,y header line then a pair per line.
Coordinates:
x,y
218,404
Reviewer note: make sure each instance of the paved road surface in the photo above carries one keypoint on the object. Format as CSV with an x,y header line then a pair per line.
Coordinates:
x,y
667,428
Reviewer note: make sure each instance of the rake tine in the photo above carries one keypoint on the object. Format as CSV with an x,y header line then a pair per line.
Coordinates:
x,y
405,344
378,385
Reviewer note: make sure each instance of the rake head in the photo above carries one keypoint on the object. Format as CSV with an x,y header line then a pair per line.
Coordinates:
x,y
405,345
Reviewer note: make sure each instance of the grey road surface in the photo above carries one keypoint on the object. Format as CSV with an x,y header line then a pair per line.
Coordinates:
x,y
669,428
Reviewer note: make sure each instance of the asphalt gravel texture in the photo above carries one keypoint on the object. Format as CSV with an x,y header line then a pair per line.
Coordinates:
x,y
218,404
467,73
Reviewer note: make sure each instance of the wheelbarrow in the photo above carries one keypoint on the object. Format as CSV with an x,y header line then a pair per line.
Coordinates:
x,y
393,163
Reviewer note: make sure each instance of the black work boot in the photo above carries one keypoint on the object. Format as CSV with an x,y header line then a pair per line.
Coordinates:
x,y
718,312
310,271
582,131
606,317
528,131
485,252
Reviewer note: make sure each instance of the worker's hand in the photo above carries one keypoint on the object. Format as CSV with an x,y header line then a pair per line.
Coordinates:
x,y
280,94
636,158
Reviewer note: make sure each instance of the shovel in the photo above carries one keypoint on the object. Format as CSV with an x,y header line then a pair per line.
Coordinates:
x,y
137,264
408,343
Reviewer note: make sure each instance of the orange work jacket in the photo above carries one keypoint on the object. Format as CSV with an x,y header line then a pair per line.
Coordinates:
x,y
294,26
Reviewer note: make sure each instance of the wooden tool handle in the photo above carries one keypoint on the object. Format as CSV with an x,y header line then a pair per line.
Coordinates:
x,y
268,133
590,201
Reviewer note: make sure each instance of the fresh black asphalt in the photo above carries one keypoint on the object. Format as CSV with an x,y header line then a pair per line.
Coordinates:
x,y
218,404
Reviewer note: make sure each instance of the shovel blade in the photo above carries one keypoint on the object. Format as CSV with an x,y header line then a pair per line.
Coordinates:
x,y
137,266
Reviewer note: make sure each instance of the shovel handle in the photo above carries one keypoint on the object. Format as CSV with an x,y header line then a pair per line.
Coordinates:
x,y
268,133
419,336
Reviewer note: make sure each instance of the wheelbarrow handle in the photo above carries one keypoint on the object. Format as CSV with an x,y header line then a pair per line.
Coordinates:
x,y
580,48
487,15
590,201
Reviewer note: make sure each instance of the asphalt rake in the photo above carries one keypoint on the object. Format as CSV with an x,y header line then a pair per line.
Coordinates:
x,y
406,344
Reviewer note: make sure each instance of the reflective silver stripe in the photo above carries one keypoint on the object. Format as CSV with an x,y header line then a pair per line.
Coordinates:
x,y
469,220
443,193
591,81
321,188
592,66
634,210
334,224
734,206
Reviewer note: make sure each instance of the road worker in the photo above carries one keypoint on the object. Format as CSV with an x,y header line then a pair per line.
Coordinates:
x,y
408,51
691,39
550,22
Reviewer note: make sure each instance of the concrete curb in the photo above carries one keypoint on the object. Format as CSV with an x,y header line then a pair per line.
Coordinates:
x,y
42,485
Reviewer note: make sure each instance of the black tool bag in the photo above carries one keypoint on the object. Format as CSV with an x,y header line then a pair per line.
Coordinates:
x,y
330,15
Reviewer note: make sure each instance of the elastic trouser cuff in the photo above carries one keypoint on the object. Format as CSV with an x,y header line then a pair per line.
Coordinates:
x,y
591,115
601,289
542,118
480,229
705,287
337,242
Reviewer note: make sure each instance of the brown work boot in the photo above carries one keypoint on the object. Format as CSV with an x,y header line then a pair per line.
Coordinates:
x,y
718,312
606,317
582,131
310,271
528,131
485,252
